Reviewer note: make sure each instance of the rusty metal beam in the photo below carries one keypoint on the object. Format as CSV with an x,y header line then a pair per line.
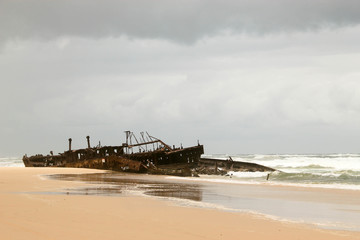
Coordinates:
x,y
141,144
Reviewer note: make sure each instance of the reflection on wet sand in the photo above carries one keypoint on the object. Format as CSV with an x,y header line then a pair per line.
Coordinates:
x,y
121,184
329,209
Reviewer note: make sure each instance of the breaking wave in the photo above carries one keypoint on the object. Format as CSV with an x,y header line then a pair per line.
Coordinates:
x,y
330,171
11,162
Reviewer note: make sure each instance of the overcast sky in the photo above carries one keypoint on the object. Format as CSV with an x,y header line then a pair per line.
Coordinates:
x,y
259,76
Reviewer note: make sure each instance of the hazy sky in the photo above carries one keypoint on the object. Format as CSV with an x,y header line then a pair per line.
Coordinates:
x,y
242,76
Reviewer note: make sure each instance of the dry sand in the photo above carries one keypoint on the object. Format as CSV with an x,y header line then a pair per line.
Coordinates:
x,y
25,213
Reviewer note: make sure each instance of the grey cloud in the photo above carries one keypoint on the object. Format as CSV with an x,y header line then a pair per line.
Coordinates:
x,y
236,93
181,21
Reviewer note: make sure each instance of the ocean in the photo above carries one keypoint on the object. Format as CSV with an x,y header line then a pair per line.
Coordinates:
x,y
339,171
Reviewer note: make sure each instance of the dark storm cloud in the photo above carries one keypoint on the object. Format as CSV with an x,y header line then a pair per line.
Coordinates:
x,y
182,21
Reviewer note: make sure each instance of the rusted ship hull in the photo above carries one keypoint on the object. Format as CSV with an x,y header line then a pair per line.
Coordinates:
x,y
114,163
138,162
149,157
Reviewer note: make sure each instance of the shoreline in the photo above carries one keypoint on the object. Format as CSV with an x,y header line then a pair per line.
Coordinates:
x,y
327,209
269,184
43,216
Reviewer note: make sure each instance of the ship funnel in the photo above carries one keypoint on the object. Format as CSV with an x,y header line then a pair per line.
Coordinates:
x,y
88,141
70,144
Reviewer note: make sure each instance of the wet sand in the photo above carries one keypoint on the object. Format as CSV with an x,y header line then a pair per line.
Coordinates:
x,y
325,208
28,211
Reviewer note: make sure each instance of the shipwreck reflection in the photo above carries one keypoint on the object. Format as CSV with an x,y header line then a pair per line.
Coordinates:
x,y
112,184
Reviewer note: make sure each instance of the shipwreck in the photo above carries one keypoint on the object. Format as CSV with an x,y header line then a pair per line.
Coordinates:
x,y
146,154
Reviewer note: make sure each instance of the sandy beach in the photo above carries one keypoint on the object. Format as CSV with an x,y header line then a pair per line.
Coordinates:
x,y
28,212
